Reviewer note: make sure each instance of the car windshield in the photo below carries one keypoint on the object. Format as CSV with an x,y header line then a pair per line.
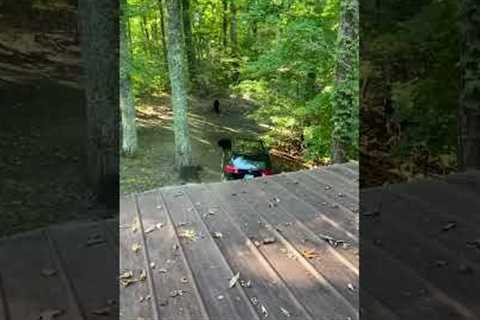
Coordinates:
x,y
249,163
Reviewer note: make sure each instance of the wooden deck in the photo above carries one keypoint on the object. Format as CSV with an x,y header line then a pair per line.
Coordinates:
x,y
289,242
427,236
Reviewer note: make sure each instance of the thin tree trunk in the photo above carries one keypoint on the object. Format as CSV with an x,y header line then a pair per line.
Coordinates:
x,y
99,49
146,35
187,30
225,23
162,29
127,105
345,107
130,40
176,66
469,115
233,26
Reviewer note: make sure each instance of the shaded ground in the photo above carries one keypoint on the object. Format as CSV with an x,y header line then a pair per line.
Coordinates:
x,y
154,164
42,128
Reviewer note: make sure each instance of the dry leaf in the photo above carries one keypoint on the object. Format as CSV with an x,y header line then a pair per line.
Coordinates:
x,y
136,247
220,297
234,280
285,312
102,311
150,229
264,311
126,275
309,254
50,314
268,240
162,270
135,225
183,280
189,234
48,272
217,235
351,287
159,225
449,226
143,275
152,265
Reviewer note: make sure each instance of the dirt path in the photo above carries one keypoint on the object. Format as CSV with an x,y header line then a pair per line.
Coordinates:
x,y
154,165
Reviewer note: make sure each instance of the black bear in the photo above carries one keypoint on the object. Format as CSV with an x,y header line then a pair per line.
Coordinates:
x,y
216,106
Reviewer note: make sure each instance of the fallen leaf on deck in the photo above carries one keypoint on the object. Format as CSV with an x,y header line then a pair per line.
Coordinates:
x,y
217,235
48,272
350,287
159,225
152,265
264,311
143,275
102,311
268,240
285,312
309,254
94,240
189,234
150,229
176,293
126,275
135,225
184,280
449,226
162,270
220,297
136,247
50,314
234,280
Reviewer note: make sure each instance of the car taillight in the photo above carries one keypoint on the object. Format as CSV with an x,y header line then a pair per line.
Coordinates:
x,y
230,168
266,172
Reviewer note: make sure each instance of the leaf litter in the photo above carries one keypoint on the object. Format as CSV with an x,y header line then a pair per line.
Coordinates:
x,y
234,280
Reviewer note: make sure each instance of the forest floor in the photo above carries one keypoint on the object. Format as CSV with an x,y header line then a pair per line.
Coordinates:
x,y
153,166
42,135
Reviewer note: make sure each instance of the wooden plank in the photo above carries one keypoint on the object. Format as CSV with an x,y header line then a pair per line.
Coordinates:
x,y
353,165
373,309
130,305
425,224
330,176
347,173
442,196
332,190
312,220
330,262
171,272
404,291
267,285
89,267
310,287
468,181
27,291
305,200
208,265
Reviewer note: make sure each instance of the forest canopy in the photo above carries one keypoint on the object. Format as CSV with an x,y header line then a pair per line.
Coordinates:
x,y
280,54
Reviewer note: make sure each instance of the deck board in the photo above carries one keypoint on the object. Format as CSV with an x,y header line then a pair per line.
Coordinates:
x,y
283,282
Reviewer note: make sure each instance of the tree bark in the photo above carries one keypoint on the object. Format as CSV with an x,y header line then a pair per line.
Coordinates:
x,y
346,101
187,30
99,50
176,66
469,115
162,29
127,105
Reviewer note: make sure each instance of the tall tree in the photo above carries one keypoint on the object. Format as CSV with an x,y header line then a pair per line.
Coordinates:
x,y
224,22
187,30
127,105
176,67
162,29
233,26
469,140
346,101
99,50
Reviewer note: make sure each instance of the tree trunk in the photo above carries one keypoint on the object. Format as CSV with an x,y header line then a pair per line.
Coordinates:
x,y
146,35
127,105
225,23
469,115
99,50
345,108
187,30
233,26
162,29
176,66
